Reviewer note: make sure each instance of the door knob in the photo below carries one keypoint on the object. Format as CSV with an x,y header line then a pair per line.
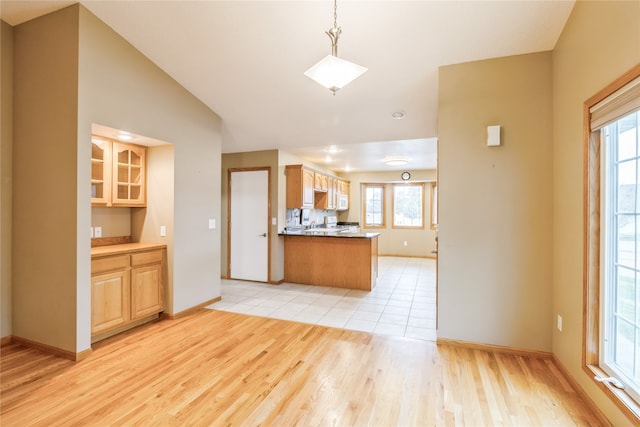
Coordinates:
x,y
262,235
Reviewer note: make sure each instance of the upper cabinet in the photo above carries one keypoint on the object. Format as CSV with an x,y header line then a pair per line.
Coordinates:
x,y
129,175
100,171
118,173
307,188
300,187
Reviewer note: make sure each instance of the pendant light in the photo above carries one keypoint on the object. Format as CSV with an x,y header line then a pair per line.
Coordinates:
x,y
332,72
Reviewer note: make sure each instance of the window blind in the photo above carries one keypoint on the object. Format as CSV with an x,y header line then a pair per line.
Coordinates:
x,y
618,104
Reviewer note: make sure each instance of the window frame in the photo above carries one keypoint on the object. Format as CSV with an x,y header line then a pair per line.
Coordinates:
x,y
393,206
593,242
364,205
433,214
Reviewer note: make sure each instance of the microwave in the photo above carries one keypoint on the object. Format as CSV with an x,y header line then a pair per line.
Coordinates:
x,y
343,202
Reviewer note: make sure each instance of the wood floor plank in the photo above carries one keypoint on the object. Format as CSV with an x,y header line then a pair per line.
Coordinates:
x,y
218,368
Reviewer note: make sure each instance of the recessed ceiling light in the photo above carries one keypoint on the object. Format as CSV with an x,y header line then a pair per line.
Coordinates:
x,y
398,115
332,149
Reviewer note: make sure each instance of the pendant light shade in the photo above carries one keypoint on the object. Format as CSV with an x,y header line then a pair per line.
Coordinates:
x,y
332,72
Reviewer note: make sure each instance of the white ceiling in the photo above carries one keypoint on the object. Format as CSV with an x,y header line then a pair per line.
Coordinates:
x,y
245,60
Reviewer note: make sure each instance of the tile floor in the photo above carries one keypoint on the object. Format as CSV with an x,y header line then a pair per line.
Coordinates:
x,y
403,302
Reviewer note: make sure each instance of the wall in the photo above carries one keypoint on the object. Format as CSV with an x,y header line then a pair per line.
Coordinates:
x,y
599,43
122,89
495,213
420,243
6,154
146,222
45,232
268,158
71,71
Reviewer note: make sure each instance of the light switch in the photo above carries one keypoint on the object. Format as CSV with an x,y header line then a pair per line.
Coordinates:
x,y
97,232
163,231
274,221
493,136
91,232
212,224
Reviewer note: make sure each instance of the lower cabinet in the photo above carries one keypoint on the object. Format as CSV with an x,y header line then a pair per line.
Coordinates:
x,y
126,289
109,301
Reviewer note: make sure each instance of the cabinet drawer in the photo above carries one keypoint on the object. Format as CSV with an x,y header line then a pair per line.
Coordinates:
x,y
111,263
142,258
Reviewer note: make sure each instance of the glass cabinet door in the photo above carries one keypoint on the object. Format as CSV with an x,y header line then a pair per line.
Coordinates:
x,y
100,171
129,175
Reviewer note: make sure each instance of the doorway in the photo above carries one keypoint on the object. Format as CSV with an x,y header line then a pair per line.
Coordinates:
x,y
249,231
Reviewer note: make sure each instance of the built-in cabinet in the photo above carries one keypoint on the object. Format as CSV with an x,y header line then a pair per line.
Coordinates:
x,y
118,173
126,287
307,188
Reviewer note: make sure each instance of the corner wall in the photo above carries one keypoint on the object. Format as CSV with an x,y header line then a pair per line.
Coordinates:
x,y
600,42
45,182
495,212
6,154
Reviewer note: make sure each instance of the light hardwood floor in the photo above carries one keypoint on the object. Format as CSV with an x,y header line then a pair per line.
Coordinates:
x,y
219,368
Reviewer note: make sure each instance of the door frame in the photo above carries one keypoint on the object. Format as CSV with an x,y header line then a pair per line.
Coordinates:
x,y
229,231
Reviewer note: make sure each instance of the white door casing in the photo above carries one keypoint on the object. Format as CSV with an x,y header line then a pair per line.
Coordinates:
x,y
249,225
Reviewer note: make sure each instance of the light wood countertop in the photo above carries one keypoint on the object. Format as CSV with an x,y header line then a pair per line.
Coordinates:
x,y
99,251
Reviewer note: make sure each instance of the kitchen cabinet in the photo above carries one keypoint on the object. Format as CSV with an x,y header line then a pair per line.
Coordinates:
x,y
146,283
128,187
331,193
100,171
300,187
307,188
118,173
126,287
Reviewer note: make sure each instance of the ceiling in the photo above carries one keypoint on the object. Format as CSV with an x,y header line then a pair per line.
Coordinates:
x,y
245,60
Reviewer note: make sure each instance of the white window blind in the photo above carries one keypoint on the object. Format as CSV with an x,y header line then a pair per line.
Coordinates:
x,y
616,105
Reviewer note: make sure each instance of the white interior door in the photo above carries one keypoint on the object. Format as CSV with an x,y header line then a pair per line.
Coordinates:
x,y
249,228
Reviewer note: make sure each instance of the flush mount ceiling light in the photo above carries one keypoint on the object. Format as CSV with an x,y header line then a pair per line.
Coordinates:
x,y
396,161
124,136
332,72
398,115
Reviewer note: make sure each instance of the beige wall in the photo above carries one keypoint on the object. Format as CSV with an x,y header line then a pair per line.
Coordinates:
x,y
146,222
420,243
45,232
84,74
599,43
268,158
495,213
6,153
122,89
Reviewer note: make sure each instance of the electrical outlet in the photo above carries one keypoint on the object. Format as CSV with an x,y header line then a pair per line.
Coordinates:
x,y
212,224
559,323
91,232
97,232
163,231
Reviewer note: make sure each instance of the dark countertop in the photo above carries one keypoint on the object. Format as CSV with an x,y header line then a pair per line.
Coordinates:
x,y
339,234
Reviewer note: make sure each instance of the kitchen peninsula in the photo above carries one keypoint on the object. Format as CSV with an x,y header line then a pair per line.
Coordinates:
x,y
331,258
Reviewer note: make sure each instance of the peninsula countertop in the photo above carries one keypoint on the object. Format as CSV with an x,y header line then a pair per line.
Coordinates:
x,y
338,234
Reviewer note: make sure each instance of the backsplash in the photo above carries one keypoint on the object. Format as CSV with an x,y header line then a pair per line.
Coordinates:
x,y
316,216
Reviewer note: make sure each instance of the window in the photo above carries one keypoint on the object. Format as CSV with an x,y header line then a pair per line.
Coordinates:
x,y
373,205
612,250
408,206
